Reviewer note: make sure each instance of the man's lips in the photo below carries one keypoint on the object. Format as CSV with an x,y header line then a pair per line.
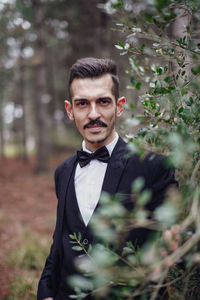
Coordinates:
x,y
94,128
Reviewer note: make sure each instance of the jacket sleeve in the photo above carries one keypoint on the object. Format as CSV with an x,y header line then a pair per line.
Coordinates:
x,y
161,180
46,285
45,289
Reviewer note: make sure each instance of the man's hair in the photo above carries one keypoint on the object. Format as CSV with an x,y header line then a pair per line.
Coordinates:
x,y
91,67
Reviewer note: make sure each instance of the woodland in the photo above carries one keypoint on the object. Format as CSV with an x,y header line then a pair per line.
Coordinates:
x,y
156,45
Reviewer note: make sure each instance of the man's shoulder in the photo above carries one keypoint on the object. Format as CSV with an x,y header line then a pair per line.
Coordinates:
x,y
151,162
65,164
148,158
153,158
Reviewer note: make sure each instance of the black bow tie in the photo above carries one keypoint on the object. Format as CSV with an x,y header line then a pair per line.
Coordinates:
x,y
84,157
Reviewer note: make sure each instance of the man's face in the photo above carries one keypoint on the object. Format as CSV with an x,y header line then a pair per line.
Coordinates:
x,y
94,110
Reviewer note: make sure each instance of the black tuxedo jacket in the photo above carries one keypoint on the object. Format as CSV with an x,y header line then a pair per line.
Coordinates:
x,y
121,171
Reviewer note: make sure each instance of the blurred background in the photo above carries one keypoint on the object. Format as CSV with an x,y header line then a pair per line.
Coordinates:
x,y
39,41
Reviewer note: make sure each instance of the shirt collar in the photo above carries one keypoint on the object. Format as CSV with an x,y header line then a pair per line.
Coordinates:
x,y
110,146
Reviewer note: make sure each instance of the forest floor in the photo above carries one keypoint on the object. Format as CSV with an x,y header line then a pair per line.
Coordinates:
x,y
27,220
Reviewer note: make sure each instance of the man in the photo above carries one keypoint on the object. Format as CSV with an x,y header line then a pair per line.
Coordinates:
x,y
103,165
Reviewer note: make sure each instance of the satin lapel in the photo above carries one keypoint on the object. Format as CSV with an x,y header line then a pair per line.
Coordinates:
x,y
115,168
64,186
114,172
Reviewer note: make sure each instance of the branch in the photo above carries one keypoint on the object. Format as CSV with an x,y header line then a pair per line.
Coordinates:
x,y
194,173
181,251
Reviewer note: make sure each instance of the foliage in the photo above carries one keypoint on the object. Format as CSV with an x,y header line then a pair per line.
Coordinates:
x,y
28,260
21,288
164,69
31,254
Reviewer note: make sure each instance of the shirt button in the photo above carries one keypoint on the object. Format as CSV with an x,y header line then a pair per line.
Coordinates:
x,y
85,241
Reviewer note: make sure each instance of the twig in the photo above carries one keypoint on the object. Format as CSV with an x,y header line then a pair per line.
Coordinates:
x,y
157,287
194,173
122,259
83,248
169,283
181,251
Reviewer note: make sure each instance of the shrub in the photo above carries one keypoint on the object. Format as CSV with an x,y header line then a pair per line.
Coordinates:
x,y
160,41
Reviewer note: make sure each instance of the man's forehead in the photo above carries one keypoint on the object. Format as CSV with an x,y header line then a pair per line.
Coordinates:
x,y
97,85
92,80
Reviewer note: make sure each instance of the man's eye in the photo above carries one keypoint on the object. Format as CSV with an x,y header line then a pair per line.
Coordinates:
x,y
82,103
104,101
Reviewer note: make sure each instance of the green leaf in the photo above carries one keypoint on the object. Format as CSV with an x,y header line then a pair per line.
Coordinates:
x,y
81,282
138,184
138,85
144,197
72,236
127,250
120,44
196,70
166,68
181,109
79,236
167,79
123,53
167,214
159,70
77,248
133,80
142,47
118,4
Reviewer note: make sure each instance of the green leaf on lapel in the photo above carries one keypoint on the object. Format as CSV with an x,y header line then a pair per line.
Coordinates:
x,y
72,236
79,236
77,248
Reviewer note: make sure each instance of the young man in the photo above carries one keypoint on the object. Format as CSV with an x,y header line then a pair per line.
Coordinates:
x,y
102,165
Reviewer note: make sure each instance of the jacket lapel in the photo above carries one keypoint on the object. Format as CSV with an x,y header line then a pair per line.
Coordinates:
x,y
65,179
115,168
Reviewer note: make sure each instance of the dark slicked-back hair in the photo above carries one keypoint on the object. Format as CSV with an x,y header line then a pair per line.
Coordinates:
x,y
91,67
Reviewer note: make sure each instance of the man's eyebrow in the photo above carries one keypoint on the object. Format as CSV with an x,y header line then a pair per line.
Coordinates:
x,y
105,98
84,99
80,99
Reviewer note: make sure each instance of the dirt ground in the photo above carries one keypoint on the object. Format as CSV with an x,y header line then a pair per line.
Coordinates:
x,y
27,202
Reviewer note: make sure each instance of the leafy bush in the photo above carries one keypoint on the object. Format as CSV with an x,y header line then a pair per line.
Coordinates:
x,y
163,50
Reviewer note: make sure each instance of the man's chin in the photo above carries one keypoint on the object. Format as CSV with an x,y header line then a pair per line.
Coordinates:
x,y
97,141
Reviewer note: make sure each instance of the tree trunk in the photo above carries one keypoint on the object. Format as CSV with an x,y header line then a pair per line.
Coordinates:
x,y
22,100
2,141
178,30
40,92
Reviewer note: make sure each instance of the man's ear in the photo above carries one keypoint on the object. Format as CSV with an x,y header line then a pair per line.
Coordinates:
x,y
120,106
69,110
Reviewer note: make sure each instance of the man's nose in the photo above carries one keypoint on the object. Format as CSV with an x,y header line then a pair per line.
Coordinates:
x,y
93,113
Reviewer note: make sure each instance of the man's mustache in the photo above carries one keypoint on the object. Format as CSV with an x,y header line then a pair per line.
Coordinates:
x,y
95,122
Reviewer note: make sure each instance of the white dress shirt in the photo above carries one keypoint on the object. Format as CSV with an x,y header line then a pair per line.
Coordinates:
x,y
89,181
